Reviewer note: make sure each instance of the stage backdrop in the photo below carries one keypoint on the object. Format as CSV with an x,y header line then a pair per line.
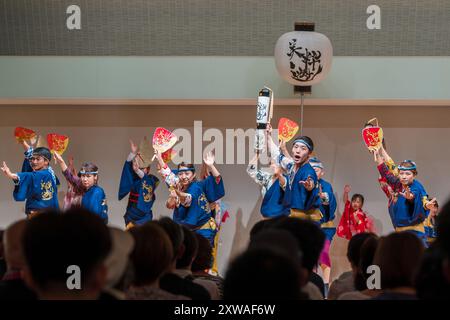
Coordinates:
x,y
220,28
100,134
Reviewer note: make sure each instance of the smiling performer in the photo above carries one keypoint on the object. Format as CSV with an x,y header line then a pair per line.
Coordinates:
x,y
36,184
409,209
302,194
85,184
188,198
354,220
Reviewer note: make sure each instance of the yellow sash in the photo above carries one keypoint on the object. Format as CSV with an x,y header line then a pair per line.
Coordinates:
x,y
210,224
418,227
312,214
129,226
328,224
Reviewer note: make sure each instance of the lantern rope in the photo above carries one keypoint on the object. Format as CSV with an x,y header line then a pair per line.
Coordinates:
x,y
302,96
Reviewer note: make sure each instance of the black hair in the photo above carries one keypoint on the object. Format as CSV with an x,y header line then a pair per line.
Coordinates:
x,y
186,165
88,167
431,283
263,225
54,241
190,248
204,258
308,140
152,253
262,274
443,229
43,152
310,239
365,257
174,232
354,247
279,240
360,196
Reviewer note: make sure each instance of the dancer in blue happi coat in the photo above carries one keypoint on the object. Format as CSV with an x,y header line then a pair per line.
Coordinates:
x,y
139,184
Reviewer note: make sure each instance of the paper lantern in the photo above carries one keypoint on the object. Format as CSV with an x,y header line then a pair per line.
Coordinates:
x,y
303,58
372,135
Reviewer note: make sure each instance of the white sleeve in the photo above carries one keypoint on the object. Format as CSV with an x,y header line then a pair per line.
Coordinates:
x,y
131,157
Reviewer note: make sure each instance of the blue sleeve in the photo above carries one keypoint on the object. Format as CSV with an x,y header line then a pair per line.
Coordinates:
x,y
196,211
23,189
333,205
127,179
213,188
97,203
419,212
26,166
311,198
328,211
155,181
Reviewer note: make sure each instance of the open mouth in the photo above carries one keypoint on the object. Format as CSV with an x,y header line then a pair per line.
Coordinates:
x,y
297,157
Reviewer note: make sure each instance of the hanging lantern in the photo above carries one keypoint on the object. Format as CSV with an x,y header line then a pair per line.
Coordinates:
x,y
303,58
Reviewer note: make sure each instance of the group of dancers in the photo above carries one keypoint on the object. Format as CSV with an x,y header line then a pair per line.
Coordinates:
x,y
195,201
294,187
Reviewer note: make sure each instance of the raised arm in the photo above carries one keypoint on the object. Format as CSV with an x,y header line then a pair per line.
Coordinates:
x,y
391,179
284,149
185,199
260,177
209,161
25,145
169,177
7,172
347,190
71,178
281,178
173,200
387,159
59,160
160,160
284,161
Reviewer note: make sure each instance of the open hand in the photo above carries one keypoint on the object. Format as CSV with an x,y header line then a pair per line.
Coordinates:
x,y
6,171
347,188
25,145
431,204
134,148
71,162
308,183
407,194
135,165
58,158
283,148
209,159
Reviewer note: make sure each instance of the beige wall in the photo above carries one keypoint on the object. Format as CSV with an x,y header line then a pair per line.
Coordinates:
x,y
100,134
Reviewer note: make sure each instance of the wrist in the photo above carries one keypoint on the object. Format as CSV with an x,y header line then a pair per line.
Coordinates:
x,y
131,156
